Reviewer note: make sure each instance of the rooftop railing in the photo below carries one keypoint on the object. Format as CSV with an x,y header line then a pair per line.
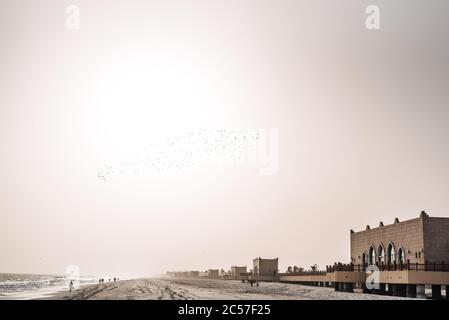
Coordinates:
x,y
427,266
304,273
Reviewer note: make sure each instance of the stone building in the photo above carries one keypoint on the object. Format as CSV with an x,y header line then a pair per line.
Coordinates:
x,y
181,274
213,273
265,267
420,240
193,273
236,271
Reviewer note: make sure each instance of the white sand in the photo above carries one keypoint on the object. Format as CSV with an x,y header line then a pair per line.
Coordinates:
x,y
172,288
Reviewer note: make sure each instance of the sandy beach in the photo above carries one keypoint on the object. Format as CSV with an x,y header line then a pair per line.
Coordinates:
x,y
193,289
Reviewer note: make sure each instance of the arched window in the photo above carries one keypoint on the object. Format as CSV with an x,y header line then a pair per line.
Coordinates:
x,y
401,256
381,255
364,262
372,256
391,254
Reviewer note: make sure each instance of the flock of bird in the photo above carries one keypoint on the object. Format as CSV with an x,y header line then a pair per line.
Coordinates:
x,y
188,150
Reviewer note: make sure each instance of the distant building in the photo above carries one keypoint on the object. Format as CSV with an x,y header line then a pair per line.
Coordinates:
x,y
193,274
415,241
181,274
213,273
236,271
265,267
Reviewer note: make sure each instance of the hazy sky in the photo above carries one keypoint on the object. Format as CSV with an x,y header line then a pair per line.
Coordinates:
x,y
362,118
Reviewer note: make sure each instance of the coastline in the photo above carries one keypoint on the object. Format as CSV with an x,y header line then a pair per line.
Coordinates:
x,y
34,294
48,293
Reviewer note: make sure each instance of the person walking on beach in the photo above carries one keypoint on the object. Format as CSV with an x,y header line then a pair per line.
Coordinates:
x,y
71,286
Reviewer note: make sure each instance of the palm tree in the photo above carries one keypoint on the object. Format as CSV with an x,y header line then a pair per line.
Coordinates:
x,y
314,267
289,269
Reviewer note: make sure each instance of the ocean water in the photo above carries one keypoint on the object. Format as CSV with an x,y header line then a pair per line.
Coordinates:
x,y
31,284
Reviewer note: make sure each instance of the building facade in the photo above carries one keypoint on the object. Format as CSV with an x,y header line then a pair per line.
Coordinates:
x,y
213,273
193,273
265,267
236,271
421,240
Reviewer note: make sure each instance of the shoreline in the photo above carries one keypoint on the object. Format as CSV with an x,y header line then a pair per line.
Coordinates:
x,y
33,294
48,293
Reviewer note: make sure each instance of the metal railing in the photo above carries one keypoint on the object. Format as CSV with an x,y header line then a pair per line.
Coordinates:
x,y
245,274
427,266
304,273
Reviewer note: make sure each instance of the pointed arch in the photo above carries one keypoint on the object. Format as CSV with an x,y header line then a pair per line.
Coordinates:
x,y
391,253
364,261
372,255
364,258
401,256
381,254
